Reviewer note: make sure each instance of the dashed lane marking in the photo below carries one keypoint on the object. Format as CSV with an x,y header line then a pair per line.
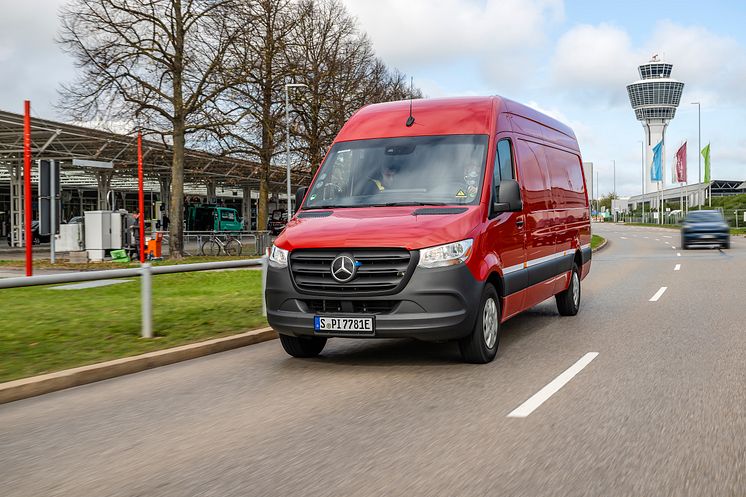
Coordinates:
x,y
677,267
658,294
553,387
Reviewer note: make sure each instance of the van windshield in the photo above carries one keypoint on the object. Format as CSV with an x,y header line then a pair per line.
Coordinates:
x,y
422,170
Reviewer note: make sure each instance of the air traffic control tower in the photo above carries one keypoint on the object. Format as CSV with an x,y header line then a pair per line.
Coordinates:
x,y
655,98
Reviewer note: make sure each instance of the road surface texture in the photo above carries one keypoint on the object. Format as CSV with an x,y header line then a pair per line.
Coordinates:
x,y
659,411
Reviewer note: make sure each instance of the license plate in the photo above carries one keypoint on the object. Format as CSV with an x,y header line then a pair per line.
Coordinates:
x,y
345,325
708,236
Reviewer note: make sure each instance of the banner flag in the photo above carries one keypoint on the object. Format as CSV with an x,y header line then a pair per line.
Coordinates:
x,y
706,154
656,171
681,164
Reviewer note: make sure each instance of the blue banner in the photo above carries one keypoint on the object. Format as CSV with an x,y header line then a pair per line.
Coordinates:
x,y
656,169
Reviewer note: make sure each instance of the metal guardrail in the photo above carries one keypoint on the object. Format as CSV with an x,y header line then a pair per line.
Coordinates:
x,y
145,272
255,242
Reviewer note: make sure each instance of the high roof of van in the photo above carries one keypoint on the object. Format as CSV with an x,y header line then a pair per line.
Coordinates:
x,y
443,116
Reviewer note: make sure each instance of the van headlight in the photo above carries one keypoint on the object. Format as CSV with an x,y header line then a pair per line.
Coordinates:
x,y
449,254
278,257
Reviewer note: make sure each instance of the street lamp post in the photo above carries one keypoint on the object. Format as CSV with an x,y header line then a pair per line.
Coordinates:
x,y
287,140
642,162
613,194
699,149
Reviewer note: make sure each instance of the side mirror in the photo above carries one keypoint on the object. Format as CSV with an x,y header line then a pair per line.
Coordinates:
x,y
507,198
300,194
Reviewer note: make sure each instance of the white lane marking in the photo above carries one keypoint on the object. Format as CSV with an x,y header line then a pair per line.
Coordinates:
x,y
645,237
678,254
551,388
667,236
677,267
657,239
658,294
623,237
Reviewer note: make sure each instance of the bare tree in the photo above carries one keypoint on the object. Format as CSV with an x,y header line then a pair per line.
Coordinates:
x,y
164,65
338,64
260,93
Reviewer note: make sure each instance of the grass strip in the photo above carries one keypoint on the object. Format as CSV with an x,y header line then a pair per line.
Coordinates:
x,y
596,241
44,330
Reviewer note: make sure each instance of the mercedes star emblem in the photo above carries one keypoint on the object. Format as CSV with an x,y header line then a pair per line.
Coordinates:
x,y
343,268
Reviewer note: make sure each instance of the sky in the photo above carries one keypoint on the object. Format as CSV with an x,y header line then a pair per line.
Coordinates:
x,y
570,59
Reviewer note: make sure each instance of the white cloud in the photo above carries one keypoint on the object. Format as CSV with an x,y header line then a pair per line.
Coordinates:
x,y
712,66
32,63
594,63
499,33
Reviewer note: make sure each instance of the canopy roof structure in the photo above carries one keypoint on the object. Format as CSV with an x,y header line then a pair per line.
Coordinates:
x,y
64,142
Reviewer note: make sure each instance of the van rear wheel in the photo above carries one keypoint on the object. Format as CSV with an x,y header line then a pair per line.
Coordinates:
x,y
480,347
302,346
568,302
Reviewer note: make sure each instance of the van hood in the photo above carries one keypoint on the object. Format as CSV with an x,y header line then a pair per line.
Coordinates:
x,y
378,227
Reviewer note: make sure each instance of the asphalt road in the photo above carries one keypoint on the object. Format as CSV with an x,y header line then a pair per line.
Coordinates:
x,y
659,411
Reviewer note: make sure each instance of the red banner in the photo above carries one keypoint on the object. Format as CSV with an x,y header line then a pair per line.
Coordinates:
x,y
681,164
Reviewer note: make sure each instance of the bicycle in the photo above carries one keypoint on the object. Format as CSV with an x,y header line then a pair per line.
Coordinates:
x,y
214,245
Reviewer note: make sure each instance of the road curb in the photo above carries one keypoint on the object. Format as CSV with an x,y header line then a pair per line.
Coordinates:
x,y
52,382
602,246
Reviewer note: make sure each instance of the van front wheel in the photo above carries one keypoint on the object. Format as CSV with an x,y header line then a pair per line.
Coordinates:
x,y
568,302
480,347
302,346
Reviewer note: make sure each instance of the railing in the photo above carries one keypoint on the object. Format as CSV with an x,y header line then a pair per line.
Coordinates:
x,y
253,242
736,218
145,272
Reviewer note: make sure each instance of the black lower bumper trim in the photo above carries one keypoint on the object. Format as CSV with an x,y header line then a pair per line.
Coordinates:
x,y
435,305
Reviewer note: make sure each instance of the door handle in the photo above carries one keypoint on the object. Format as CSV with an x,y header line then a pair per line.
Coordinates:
x,y
519,222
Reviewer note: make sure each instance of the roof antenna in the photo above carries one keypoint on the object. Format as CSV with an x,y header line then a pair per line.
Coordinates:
x,y
410,119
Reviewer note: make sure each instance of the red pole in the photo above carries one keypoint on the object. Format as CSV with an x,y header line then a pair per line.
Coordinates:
x,y
141,196
28,238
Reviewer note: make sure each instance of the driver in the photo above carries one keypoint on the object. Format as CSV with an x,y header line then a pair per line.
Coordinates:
x,y
389,174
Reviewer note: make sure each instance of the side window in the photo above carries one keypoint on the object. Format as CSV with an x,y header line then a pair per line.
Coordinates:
x,y
503,162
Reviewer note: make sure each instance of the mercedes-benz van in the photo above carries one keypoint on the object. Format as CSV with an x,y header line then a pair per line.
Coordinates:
x,y
433,219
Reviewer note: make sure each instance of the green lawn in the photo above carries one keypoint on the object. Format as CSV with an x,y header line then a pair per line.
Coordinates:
x,y
596,241
43,330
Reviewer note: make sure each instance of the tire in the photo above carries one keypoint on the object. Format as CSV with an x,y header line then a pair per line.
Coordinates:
x,y
480,346
211,247
302,346
568,301
683,244
726,245
233,247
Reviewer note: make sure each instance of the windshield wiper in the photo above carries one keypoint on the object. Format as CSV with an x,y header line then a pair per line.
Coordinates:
x,y
408,203
329,206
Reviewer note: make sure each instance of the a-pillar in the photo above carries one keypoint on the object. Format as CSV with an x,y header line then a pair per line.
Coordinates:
x,y
103,182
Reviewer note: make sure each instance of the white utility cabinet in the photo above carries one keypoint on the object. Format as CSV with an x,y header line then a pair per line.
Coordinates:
x,y
70,238
97,234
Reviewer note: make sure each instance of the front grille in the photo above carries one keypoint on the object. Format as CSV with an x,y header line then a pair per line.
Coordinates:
x,y
380,270
353,306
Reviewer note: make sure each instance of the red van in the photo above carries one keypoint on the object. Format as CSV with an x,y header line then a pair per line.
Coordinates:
x,y
436,223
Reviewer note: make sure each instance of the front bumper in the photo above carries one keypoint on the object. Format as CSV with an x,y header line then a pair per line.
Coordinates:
x,y
435,304
704,238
